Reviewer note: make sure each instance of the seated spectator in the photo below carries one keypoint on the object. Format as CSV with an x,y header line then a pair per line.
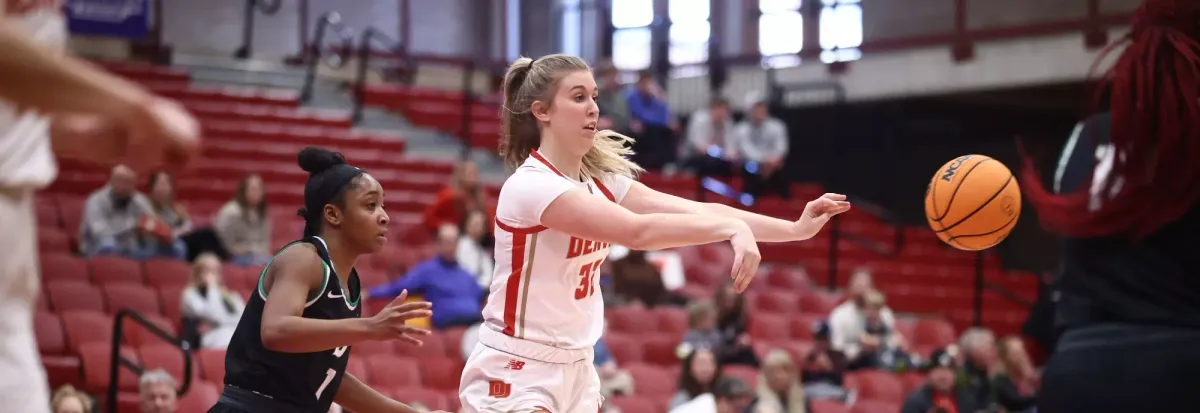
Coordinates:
x,y
464,194
846,321
636,280
652,123
779,385
728,395
733,321
214,309
69,400
710,149
475,253
1016,380
613,379
156,389
979,364
170,219
698,372
243,225
702,330
110,217
614,108
939,394
450,288
824,367
878,345
762,144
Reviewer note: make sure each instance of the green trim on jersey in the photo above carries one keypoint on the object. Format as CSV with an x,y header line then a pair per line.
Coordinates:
x,y
262,277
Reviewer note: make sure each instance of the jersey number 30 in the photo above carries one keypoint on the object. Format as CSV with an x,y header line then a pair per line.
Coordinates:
x,y
329,375
587,280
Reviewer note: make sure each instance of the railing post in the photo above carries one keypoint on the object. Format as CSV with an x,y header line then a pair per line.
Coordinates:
x,y
314,58
979,281
468,103
114,358
243,52
360,76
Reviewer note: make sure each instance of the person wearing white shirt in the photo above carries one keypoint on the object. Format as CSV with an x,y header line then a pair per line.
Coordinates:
x,y
215,308
472,255
762,144
710,149
729,395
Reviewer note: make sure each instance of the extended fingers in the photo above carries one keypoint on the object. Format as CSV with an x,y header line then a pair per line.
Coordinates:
x,y
833,197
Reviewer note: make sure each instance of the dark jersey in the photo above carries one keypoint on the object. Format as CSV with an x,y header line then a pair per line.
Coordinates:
x,y
305,381
1154,281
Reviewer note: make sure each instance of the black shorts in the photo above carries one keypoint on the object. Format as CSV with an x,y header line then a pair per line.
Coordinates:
x,y
236,400
1122,368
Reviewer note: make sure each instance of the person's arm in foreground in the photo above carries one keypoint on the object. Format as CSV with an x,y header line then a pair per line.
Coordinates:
x,y
354,395
644,200
608,222
296,272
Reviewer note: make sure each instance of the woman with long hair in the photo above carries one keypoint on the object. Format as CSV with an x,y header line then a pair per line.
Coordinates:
x,y
572,195
1125,200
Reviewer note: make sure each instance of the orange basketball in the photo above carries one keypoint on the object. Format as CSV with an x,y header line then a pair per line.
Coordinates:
x,y
973,202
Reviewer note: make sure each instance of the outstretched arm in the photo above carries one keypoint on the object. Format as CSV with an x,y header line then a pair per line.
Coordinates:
x,y
354,395
644,200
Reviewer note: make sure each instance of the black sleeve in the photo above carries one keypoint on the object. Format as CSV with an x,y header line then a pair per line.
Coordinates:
x,y
914,403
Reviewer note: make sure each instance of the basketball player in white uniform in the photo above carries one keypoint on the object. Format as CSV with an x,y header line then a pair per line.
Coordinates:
x,y
571,197
52,103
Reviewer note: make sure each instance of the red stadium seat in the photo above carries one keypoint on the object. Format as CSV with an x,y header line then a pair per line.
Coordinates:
x,y
162,271
634,404
167,357
871,406
358,368
652,381
112,269
830,406
54,239
818,302
880,386
83,327
371,348
933,332
200,397
746,373
432,399
767,326
61,366
778,301
671,320
788,279
97,360
212,364
47,211
171,297
136,334
453,339
434,347
134,297
387,370
630,320
442,374
660,348
63,267
74,296
70,210
911,381
624,348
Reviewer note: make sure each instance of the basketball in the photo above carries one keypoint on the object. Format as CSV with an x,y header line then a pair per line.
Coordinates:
x,y
973,202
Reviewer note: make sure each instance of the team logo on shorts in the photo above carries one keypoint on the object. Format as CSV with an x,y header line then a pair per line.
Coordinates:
x,y
499,389
515,365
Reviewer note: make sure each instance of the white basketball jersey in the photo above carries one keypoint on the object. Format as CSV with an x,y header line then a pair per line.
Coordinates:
x,y
545,286
25,157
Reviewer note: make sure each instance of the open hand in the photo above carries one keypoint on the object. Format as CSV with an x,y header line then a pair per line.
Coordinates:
x,y
390,323
817,212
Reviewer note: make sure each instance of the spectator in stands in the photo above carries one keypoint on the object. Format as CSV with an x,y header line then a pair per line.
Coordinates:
x,y
614,107
1016,380
613,379
475,253
733,320
824,367
940,394
652,124
698,372
440,280
67,399
156,389
702,330
635,280
111,215
779,384
846,321
463,195
728,395
243,225
169,220
762,144
214,309
878,345
980,364
710,149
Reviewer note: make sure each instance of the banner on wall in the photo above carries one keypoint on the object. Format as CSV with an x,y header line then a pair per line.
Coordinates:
x,y
110,18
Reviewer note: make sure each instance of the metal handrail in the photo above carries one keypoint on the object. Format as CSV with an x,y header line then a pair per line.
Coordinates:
x,y
267,8
364,53
119,360
336,60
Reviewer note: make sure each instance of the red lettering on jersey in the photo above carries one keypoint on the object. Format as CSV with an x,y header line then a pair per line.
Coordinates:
x,y
499,389
587,280
580,247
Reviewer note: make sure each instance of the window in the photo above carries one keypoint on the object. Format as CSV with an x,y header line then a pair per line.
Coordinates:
x,y
689,31
780,31
570,25
631,40
841,30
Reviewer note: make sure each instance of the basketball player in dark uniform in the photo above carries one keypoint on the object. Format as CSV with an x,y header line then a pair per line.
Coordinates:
x,y
1125,196
291,346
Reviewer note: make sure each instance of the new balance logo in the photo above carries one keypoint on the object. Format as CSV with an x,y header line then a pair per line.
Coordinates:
x,y
515,365
499,389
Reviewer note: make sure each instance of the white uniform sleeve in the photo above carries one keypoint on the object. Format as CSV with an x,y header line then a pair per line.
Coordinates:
x,y
526,194
618,185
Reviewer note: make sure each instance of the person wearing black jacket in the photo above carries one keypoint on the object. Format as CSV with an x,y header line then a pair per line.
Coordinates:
x,y
940,393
